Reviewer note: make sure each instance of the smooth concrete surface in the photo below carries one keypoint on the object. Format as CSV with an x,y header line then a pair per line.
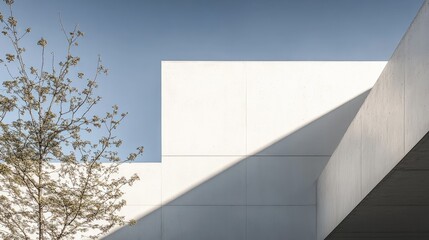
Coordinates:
x,y
281,222
417,74
242,108
283,97
383,124
203,108
327,188
290,180
204,222
349,169
224,181
394,117
243,144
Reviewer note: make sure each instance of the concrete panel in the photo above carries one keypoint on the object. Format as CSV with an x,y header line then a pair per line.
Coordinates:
x,y
284,97
417,159
327,199
203,181
339,186
281,222
203,108
383,124
148,226
417,79
348,155
147,190
283,180
204,222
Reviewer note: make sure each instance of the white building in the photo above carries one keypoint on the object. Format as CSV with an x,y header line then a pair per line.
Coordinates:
x,y
244,144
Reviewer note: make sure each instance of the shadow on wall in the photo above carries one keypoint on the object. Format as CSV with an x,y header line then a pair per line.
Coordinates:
x,y
270,195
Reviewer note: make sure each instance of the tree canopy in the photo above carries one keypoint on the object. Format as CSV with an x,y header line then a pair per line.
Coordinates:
x,y
56,181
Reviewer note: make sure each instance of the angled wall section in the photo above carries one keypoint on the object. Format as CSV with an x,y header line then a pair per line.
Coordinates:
x,y
393,118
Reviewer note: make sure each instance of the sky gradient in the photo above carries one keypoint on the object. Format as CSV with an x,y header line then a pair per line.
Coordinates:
x,y
133,37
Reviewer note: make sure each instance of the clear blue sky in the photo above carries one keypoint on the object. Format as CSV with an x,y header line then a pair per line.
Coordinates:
x,y
134,36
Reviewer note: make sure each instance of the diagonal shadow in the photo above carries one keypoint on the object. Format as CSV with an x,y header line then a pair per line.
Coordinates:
x,y
320,136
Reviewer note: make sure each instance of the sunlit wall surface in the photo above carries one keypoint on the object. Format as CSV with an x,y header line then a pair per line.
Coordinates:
x,y
243,145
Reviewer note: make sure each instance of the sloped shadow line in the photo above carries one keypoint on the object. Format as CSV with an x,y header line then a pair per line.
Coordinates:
x,y
322,135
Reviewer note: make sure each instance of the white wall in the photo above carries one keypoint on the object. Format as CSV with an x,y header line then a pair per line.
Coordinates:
x,y
394,117
243,144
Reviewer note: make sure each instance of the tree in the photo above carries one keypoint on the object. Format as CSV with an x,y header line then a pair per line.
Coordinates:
x,y
55,182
